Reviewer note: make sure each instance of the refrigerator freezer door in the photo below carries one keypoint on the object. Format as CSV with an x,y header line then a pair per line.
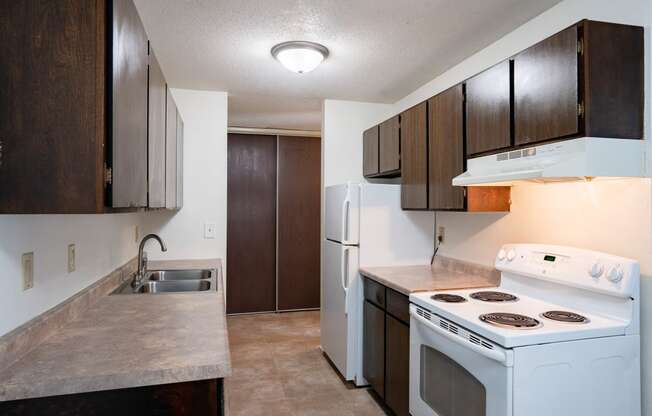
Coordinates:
x,y
343,213
339,311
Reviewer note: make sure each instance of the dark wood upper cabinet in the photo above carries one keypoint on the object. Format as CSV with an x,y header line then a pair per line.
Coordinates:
x,y
370,151
179,167
129,148
414,157
156,133
488,110
52,106
446,149
546,95
389,146
171,153
77,79
586,80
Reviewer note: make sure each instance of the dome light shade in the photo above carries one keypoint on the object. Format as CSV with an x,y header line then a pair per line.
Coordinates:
x,y
300,56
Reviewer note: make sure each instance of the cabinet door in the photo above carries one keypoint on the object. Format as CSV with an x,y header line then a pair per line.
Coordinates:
x,y
446,149
373,362
414,149
488,110
370,151
389,145
129,151
397,366
156,134
171,153
546,89
179,161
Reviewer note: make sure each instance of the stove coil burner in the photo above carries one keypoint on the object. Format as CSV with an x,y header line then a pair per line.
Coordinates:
x,y
510,320
447,297
565,316
491,296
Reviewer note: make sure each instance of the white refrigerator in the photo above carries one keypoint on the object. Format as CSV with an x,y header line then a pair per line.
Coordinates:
x,y
364,226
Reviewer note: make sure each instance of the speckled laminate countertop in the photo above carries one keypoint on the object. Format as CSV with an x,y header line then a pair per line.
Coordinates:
x,y
444,274
129,341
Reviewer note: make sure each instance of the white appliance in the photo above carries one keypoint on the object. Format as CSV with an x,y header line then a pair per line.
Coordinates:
x,y
559,336
364,226
569,160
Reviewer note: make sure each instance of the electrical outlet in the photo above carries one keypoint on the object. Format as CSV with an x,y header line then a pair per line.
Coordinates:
x,y
71,258
28,270
136,234
209,230
440,234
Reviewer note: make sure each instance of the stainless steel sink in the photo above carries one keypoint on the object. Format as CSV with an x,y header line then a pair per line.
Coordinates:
x,y
170,281
167,275
174,286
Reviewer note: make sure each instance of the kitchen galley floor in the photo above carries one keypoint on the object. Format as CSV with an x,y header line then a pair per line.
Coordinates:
x,y
279,369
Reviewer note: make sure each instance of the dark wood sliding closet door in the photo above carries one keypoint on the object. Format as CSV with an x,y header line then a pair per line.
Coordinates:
x,y
251,223
299,208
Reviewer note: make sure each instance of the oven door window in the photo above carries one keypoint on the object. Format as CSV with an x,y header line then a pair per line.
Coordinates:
x,y
448,388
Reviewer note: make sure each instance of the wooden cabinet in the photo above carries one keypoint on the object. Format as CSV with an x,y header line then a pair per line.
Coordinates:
x,y
381,148
414,157
156,134
370,152
586,80
373,362
74,120
171,153
397,365
386,345
488,110
446,149
180,142
546,95
129,138
389,142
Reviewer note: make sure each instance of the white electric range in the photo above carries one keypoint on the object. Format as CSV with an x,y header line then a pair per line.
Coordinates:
x,y
559,336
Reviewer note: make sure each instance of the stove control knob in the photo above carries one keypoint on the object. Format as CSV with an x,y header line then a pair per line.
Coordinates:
x,y
596,270
511,255
615,274
501,254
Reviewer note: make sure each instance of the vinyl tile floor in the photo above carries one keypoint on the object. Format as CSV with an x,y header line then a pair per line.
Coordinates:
x,y
279,369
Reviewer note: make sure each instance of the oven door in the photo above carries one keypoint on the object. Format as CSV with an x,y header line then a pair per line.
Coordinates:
x,y
454,372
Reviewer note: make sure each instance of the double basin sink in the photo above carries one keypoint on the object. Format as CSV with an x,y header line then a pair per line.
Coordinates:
x,y
167,281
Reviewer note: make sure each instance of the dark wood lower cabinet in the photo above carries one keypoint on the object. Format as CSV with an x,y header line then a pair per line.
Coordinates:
x,y
386,346
397,366
373,361
196,398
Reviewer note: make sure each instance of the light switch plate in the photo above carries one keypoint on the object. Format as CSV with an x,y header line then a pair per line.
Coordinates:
x,y
209,230
28,270
71,258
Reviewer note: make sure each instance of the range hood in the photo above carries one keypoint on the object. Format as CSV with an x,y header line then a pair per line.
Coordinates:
x,y
570,160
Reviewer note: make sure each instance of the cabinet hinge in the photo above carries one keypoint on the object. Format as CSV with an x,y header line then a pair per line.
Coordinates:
x,y
580,109
108,175
580,46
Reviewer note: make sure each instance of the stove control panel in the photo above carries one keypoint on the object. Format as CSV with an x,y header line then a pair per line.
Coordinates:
x,y
585,269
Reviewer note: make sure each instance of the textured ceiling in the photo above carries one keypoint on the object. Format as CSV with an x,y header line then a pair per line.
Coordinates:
x,y
381,50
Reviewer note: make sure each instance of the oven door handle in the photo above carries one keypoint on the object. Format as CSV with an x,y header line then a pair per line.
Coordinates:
x,y
501,356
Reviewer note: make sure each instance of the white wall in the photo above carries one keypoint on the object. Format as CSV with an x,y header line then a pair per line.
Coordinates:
x,y
204,115
342,125
102,243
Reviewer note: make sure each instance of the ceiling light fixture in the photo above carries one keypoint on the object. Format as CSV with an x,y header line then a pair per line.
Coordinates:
x,y
300,56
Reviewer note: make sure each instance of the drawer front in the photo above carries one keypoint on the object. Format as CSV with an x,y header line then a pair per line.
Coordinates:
x,y
398,305
374,292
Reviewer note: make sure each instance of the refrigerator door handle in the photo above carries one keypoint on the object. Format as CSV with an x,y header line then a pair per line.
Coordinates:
x,y
345,278
345,219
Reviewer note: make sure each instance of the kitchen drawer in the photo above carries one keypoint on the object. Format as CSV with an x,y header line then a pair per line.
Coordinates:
x,y
374,292
398,305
